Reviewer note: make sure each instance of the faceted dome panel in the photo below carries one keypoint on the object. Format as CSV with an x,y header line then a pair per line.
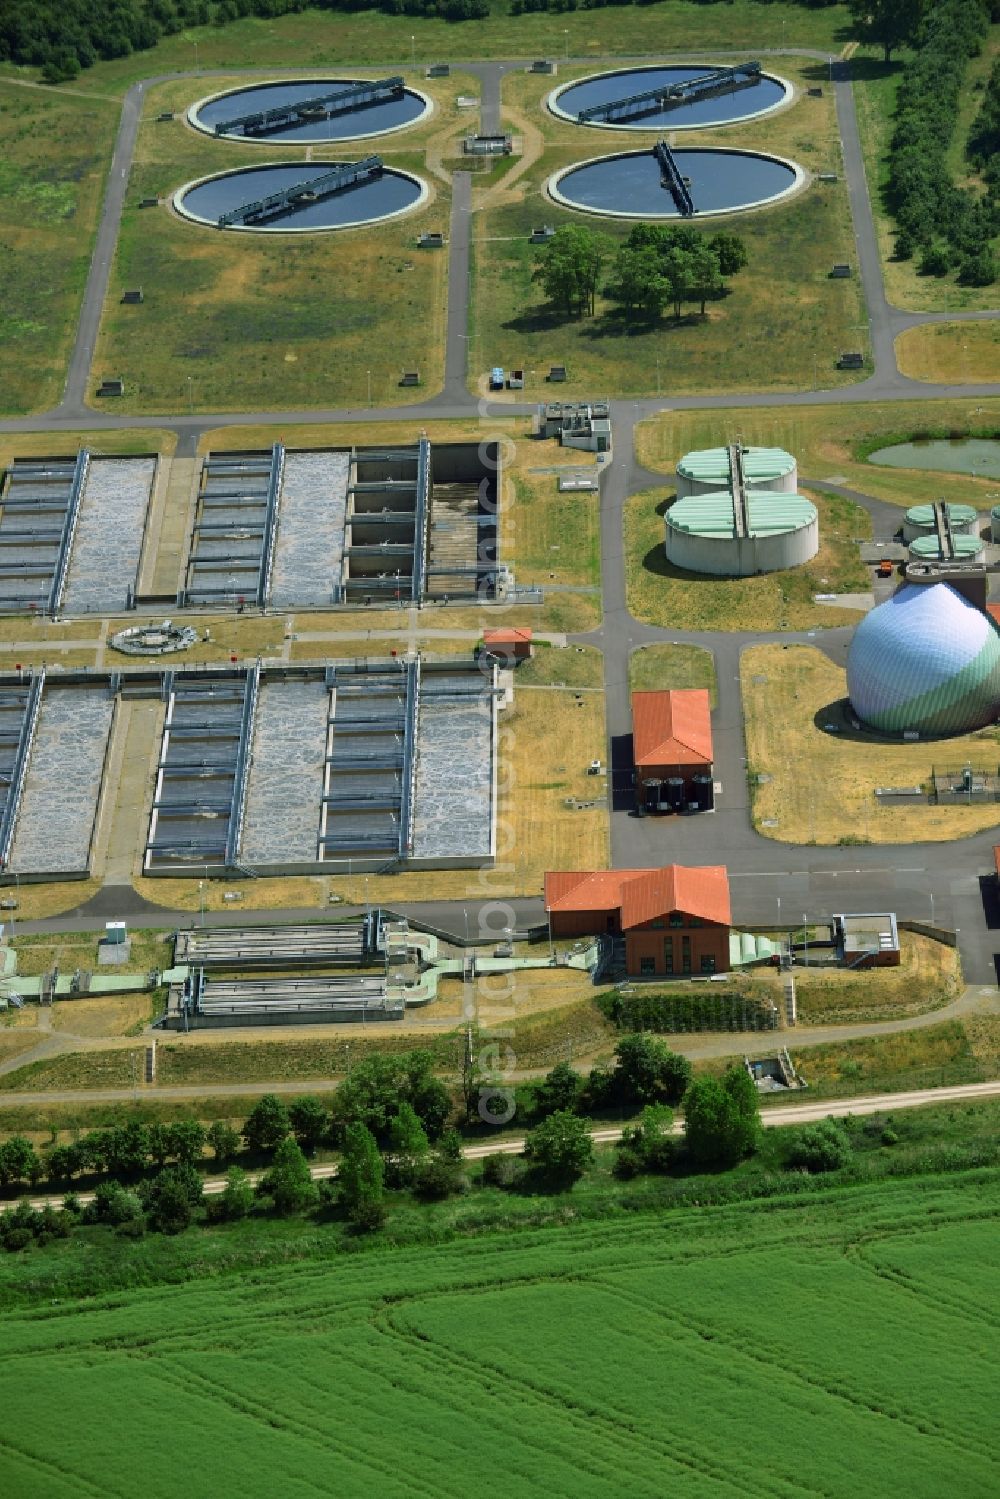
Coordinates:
x,y
925,660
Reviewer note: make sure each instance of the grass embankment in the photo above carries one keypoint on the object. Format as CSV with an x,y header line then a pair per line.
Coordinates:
x,y
54,154
236,322
831,442
655,668
566,1292
327,39
786,287
875,88
959,353
929,976
789,692
662,594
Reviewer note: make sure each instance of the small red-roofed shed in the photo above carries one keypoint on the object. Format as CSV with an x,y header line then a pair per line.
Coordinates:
x,y
508,643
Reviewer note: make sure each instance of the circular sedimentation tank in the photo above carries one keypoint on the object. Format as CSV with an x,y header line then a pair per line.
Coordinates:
x,y
729,107
926,661
995,523
629,184
701,534
355,123
706,470
391,193
928,549
919,521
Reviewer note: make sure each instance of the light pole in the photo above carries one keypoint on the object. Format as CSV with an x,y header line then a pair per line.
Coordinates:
x,y
413,51
201,900
565,43
191,394
369,387
932,907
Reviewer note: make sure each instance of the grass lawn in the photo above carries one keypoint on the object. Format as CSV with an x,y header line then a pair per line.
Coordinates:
x,y
655,668
794,242
934,1056
111,444
829,441
662,594
875,100
961,353
788,691
929,976
244,321
54,154
323,39
553,536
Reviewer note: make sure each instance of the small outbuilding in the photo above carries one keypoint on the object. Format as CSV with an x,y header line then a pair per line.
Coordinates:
x,y
508,644
672,749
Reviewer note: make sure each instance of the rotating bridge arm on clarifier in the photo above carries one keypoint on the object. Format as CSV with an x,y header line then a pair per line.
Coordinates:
x,y
355,95
670,96
325,186
672,180
738,489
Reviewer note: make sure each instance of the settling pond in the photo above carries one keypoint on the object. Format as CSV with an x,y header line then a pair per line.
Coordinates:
x,y
744,103
979,456
629,185
354,124
382,197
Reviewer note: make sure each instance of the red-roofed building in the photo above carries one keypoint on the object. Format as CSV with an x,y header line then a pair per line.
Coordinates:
x,y
508,644
674,920
993,610
671,745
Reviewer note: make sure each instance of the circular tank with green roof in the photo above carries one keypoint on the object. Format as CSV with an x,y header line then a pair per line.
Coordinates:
x,y
707,470
928,549
919,521
702,535
995,523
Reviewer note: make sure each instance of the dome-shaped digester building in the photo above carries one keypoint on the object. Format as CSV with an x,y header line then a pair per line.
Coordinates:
x,y
920,520
925,661
707,471
965,549
702,534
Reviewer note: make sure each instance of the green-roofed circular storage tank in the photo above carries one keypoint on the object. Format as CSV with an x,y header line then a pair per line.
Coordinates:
x,y
995,523
928,549
919,521
707,470
702,535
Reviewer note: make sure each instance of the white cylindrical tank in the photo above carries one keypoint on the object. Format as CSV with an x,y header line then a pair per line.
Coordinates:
x,y
919,521
706,471
701,534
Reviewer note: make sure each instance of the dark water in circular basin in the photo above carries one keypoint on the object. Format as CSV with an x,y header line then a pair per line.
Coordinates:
x,y
368,119
720,109
718,181
375,199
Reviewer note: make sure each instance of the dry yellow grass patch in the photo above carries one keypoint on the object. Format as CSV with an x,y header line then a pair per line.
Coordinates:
x,y
821,787
35,902
105,1016
265,894
928,976
960,353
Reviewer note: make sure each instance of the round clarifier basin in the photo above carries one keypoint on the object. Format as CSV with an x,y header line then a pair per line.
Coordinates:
x,y
746,103
370,202
357,123
629,186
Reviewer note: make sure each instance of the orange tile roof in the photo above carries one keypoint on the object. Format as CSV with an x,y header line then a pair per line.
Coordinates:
x,y
586,890
672,728
993,610
511,635
702,891
643,894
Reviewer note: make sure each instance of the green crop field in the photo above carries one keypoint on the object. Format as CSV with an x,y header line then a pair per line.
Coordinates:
x,y
840,1343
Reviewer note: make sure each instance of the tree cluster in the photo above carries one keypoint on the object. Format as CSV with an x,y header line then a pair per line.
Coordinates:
x,y
948,227
645,1071
658,266
983,148
889,24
